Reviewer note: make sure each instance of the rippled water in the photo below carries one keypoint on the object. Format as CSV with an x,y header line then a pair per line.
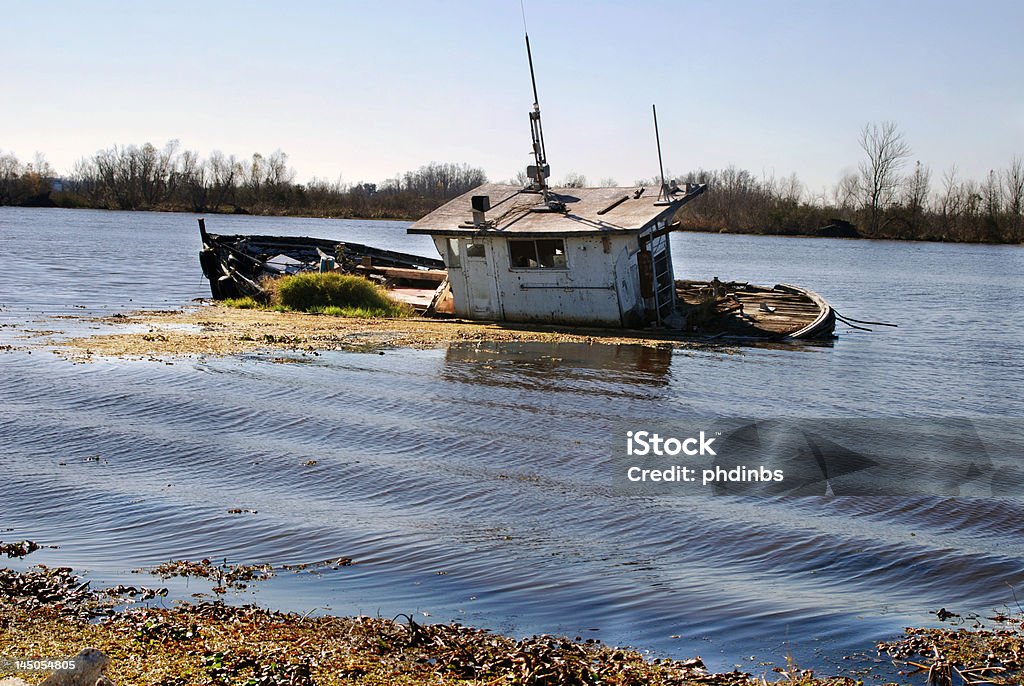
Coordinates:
x,y
472,482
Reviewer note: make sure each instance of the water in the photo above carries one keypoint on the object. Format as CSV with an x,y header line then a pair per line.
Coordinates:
x,y
471,482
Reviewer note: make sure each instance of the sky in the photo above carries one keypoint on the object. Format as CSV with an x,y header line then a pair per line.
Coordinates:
x,y
362,91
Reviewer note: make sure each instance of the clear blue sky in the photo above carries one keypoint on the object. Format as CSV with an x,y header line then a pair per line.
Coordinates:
x,y
368,89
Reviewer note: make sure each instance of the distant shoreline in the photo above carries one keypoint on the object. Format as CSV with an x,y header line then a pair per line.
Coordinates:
x,y
798,234
411,217
64,204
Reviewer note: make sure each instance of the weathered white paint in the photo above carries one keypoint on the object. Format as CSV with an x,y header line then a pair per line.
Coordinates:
x,y
598,286
603,231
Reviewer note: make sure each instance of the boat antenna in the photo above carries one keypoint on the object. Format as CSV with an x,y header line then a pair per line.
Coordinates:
x,y
539,171
661,167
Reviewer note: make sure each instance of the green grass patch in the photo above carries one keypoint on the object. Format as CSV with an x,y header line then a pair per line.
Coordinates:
x,y
330,293
355,312
245,303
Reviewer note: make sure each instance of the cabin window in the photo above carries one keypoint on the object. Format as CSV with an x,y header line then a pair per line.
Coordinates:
x,y
476,250
548,253
452,259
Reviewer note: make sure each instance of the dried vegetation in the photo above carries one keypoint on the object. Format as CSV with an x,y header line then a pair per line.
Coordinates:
x,y
53,612
217,330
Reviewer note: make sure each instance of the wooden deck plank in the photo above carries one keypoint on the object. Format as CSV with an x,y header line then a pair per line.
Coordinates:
x,y
793,310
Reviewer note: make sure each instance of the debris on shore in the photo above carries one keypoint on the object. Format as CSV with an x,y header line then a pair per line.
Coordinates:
x,y
215,643
49,612
19,548
224,575
979,654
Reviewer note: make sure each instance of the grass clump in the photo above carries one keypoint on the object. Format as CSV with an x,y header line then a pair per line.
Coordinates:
x,y
333,293
330,293
243,303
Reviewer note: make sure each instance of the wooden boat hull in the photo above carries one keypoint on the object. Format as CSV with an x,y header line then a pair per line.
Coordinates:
x,y
236,265
742,310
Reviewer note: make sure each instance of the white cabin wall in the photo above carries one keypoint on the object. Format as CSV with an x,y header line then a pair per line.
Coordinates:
x,y
600,286
627,282
584,293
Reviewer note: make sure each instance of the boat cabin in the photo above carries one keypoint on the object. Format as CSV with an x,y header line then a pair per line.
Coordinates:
x,y
583,256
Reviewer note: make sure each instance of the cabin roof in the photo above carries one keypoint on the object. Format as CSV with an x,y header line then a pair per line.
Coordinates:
x,y
588,211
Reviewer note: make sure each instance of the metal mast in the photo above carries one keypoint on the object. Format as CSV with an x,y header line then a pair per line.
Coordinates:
x,y
539,171
661,167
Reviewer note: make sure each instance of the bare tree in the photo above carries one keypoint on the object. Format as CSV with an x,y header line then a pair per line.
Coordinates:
x,y
224,175
1013,186
916,190
167,174
917,187
278,172
992,193
85,180
255,175
574,180
10,172
192,177
845,194
970,191
948,204
789,189
879,174
951,202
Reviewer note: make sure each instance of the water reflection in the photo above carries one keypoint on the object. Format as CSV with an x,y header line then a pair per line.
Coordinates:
x,y
536,365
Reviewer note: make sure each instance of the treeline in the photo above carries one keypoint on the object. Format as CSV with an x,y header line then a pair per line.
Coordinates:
x,y
961,210
27,185
886,198
147,178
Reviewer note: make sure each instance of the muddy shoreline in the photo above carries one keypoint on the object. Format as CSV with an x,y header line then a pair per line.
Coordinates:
x,y
211,329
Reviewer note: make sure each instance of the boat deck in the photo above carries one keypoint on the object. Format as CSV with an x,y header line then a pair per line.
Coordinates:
x,y
746,310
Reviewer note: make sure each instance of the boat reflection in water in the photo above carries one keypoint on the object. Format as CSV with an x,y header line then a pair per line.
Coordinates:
x,y
557,365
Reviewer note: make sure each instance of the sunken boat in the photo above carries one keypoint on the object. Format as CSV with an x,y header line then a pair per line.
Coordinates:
x,y
239,265
600,257
597,257
581,277
537,254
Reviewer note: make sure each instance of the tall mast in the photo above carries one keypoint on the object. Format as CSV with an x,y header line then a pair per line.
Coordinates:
x,y
540,170
657,138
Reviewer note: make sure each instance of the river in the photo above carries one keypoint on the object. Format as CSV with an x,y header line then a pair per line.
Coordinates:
x,y
470,482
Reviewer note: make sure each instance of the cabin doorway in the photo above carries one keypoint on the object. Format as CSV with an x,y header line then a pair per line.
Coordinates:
x,y
478,269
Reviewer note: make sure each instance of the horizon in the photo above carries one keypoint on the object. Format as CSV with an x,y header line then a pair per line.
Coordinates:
x,y
366,93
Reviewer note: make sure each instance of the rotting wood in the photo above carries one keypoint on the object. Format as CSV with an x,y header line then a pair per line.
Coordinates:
x,y
797,313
